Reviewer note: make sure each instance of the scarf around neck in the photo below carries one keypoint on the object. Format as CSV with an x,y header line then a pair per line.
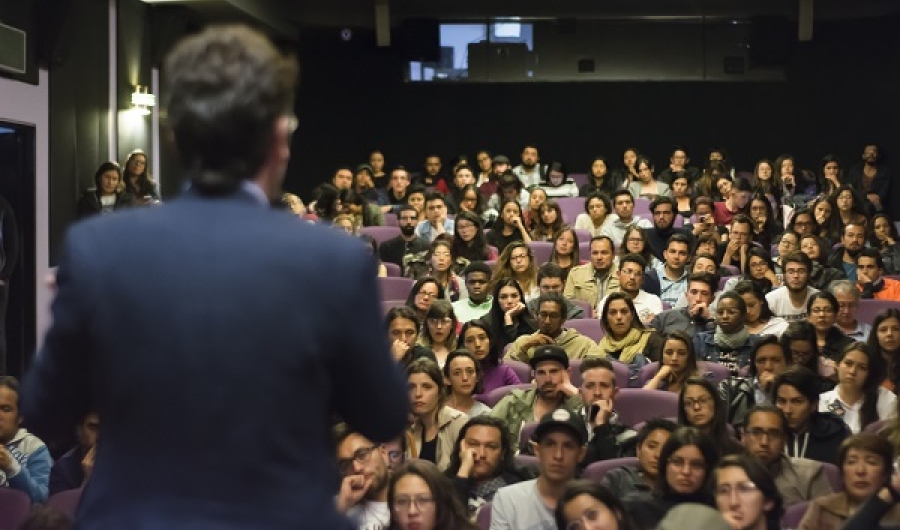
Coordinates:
x,y
733,341
629,347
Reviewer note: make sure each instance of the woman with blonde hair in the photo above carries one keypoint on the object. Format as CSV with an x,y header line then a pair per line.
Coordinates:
x,y
517,262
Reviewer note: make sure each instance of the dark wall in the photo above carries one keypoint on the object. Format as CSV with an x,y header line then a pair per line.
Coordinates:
x,y
134,58
840,93
79,124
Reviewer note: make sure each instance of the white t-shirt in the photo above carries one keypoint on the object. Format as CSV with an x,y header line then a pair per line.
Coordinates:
x,y
519,507
370,515
780,303
831,402
647,305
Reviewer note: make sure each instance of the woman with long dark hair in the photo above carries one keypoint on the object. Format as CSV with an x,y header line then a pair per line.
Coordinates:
x,y
859,397
469,242
471,200
549,220
138,182
476,337
760,319
463,375
599,179
701,406
885,339
677,364
585,505
883,236
436,426
422,498
765,225
821,309
423,293
565,250
821,276
510,227
509,315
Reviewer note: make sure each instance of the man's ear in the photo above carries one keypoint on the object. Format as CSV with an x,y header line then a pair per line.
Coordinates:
x,y
582,452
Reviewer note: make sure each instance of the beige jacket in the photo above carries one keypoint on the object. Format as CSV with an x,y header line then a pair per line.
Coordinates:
x,y
801,479
577,346
581,284
832,511
450,421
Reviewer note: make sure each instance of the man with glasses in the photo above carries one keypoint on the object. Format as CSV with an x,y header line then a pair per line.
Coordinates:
x,y
734,251
365,472
393,250
550,280
550,316
746,494
436,221
848,296
789,300
798,479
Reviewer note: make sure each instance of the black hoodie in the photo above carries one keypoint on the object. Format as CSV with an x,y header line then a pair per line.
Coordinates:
x,y
821,440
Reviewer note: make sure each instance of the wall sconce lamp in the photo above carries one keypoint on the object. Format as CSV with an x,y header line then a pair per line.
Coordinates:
x,y
142,100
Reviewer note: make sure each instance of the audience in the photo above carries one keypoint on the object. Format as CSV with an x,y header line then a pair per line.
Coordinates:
x,y
859,399
650,440
24,459
551,315
436,426
73,469
607,438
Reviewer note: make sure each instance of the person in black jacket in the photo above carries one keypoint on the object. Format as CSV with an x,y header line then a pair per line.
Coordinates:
x,y
73,469
607,438
813,435
650,440
106,195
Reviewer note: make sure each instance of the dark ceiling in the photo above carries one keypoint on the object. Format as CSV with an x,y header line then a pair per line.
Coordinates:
x,y
288,17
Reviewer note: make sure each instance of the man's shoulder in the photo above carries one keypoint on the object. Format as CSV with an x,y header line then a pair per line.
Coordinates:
x,y
517,491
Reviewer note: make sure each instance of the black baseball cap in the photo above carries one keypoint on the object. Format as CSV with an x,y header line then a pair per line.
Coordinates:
x,y
561,419
500,159
550,352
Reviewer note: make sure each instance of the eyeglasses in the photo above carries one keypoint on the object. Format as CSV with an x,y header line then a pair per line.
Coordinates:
x,y
543,316
759,433
691,403
586,520
822,311
425,294
420,502
758,265
345,465
743,489
440,322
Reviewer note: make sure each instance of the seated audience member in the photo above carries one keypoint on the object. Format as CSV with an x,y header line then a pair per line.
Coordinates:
x,y
482,462
548,221
759,270
365,472
106,195
490,179
765,225
760,320
735,251
623,206
625,338
821,276
599,179
884,237
730,344
800,340
344,223
700,406
396,192
886,340
462,177
740,394
509,188
407,243
403,333
476,337
436,221
439,332
677,364
565,253
788,242
848,297
598,213
424,292
415,197
650,440
73,469
587,505
822,308
24,459
811,434
686,463
790,301
551,382
746,494
559,443
556,182
531,214
870,276
695,316
551,315
866,464
469,241
672,271
843,257
736,201
646,185
478,304
440,263
635,242
631,276
509,227
421,497
663,229
550,280
361,212
594,280
607,437
702,225
509,317
436,425
462,374
517,262
798,479
859,399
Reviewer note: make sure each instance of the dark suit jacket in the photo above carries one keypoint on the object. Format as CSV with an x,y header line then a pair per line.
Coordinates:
x,y
215,349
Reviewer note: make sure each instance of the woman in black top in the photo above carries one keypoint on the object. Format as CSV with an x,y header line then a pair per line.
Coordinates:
x,y
105,196
600,179
510,226
509,316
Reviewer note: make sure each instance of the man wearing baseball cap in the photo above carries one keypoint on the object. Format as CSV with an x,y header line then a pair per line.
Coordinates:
x,y
552,390
559,443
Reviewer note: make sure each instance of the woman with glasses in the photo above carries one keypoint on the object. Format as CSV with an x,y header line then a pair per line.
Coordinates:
x,y
469,243
439,332
462,373
788,243
848,207
422,498
471,200
436,426
765,226
685,468
759,270
585,505
746,494
822,308
517,262
859,397
423,293
729,344
700,406
635,242
804,222
799,339
866,464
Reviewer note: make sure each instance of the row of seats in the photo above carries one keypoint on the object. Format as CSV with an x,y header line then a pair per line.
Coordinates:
x,y
15,505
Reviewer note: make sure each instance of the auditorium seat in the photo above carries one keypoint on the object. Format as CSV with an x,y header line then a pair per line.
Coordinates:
x,y
494,396
393,270
570,207
541,251
869,309
588,310
380,233
387,305
636,405
584,236
523,370
794,514
395,288
390,219
597,470
589,327
64,501
14,507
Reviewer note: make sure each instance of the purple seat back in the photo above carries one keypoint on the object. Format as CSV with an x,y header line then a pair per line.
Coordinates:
x,y
718,372
570,207
588,310
596,471
14,507
876,426
393,270
722,281
580,179
575,372
584,250
395,288
834,476
494,396
523,370
584,236
483,519
387,305
66,501
636,405
869,309
541,251
381,233
589,327
794,514
390,219
642,208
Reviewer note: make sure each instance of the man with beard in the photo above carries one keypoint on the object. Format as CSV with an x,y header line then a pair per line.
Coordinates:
x,y
499,165
395,194
623,206
663,210
872,178
844,257
551,279
789,301
552,390
631,276
870,270
529,171
393,250
364,468
594,280
551,315
431,177
798,479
